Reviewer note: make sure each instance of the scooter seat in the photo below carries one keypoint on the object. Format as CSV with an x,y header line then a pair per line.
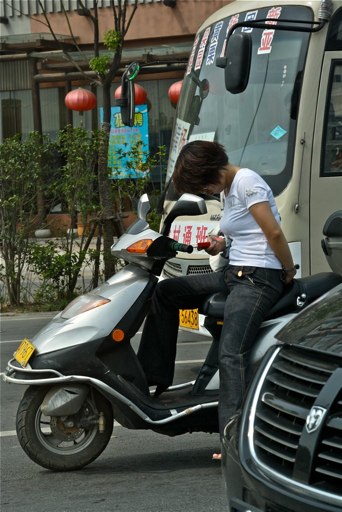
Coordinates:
x,y
300,293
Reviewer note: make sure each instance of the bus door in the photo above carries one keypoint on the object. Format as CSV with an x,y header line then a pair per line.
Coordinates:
x,y
326,171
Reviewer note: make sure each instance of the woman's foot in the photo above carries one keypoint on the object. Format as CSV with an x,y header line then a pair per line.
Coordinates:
x,y
216,456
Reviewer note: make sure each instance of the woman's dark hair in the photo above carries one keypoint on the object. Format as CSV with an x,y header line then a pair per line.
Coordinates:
x,y
198,165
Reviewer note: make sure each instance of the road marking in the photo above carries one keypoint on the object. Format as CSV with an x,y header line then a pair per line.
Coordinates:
x,y
23,317
13,433
8,433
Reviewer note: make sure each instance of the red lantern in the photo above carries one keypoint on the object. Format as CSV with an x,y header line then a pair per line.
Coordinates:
x,y
174,92
80,100
140,94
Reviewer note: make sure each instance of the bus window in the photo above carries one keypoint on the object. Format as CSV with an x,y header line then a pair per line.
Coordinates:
x,y
332,142
258,126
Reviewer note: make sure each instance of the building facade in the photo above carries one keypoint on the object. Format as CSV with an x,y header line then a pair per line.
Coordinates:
x,y
33,66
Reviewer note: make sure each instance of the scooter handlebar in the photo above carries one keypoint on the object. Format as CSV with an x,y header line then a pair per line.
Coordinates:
x,y
176,246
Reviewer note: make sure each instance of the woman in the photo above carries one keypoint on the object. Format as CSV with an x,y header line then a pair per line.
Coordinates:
x,y
260,263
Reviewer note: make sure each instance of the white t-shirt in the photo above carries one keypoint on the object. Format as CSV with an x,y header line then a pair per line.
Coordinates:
x,y
249,246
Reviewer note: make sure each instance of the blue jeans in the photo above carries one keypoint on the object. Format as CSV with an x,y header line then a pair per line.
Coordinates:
x,y
249,298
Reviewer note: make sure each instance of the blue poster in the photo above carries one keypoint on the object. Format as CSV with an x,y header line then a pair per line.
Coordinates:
x,y
122,138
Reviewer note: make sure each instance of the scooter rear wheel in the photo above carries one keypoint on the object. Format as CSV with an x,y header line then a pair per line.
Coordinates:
x,y
61,443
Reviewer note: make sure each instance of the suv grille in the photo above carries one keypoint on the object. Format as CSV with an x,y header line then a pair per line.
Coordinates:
x,y
295,380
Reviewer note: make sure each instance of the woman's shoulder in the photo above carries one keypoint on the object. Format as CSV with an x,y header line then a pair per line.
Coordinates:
x,y
246,171
248,175
250,184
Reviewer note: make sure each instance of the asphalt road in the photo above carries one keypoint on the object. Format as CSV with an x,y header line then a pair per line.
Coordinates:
x,y
139,471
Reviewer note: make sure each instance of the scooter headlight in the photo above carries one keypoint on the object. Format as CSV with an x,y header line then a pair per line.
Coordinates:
x,y
82,304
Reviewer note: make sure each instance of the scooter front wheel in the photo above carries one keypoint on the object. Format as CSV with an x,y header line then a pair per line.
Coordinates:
x,y
63,443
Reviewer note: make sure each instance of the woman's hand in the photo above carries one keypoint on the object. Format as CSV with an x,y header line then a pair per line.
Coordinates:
x,y
217,245
289,274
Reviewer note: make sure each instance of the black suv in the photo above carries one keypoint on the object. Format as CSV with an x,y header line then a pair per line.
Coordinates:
x,y
283,453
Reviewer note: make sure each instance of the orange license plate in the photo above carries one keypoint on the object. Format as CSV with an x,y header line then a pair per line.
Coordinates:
x,y
188,318
24,352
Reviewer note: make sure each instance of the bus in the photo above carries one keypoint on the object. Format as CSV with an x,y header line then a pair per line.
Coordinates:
x,y
264,79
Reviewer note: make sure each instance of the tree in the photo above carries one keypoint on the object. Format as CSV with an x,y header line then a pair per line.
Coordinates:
x,y
136,158
20,169
106,68
76,186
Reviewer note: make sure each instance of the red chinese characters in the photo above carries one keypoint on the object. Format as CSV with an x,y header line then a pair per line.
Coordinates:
x,y
268,33
201,235
192,56
233,21
189,233
201,50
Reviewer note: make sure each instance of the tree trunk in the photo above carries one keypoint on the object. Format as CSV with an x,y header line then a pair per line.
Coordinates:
x,y
111,226
81,257
37,125
97,259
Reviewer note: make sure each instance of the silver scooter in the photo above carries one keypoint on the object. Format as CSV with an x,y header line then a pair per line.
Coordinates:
x,y
82,372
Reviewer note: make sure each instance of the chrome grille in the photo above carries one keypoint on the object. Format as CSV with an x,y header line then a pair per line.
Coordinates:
x,y
172,269
328,463
290,388
199,269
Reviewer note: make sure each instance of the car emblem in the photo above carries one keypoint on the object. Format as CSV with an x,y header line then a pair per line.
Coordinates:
x,y
314,419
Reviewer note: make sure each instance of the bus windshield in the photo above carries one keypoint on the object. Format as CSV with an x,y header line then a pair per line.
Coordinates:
x,y
257,127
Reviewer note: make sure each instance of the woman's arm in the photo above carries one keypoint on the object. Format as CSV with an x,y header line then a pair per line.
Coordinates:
x,y
263,215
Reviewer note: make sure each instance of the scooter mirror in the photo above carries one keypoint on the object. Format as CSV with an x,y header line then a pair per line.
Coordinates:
x,y
332,241
190,204
144,207
187,204
126,102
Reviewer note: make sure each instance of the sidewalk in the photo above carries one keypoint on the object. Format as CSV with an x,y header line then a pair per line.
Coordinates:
x,y
31,282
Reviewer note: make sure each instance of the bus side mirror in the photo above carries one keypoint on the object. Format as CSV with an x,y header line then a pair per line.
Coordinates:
x,y
237,62
194,111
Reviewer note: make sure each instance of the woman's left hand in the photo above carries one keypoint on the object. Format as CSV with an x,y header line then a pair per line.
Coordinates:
x,y
289,275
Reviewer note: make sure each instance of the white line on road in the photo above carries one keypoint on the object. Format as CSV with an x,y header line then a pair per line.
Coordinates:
x,y
11,433
8,433
26,317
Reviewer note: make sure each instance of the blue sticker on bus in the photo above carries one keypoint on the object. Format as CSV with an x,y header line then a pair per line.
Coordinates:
x,y
278,132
